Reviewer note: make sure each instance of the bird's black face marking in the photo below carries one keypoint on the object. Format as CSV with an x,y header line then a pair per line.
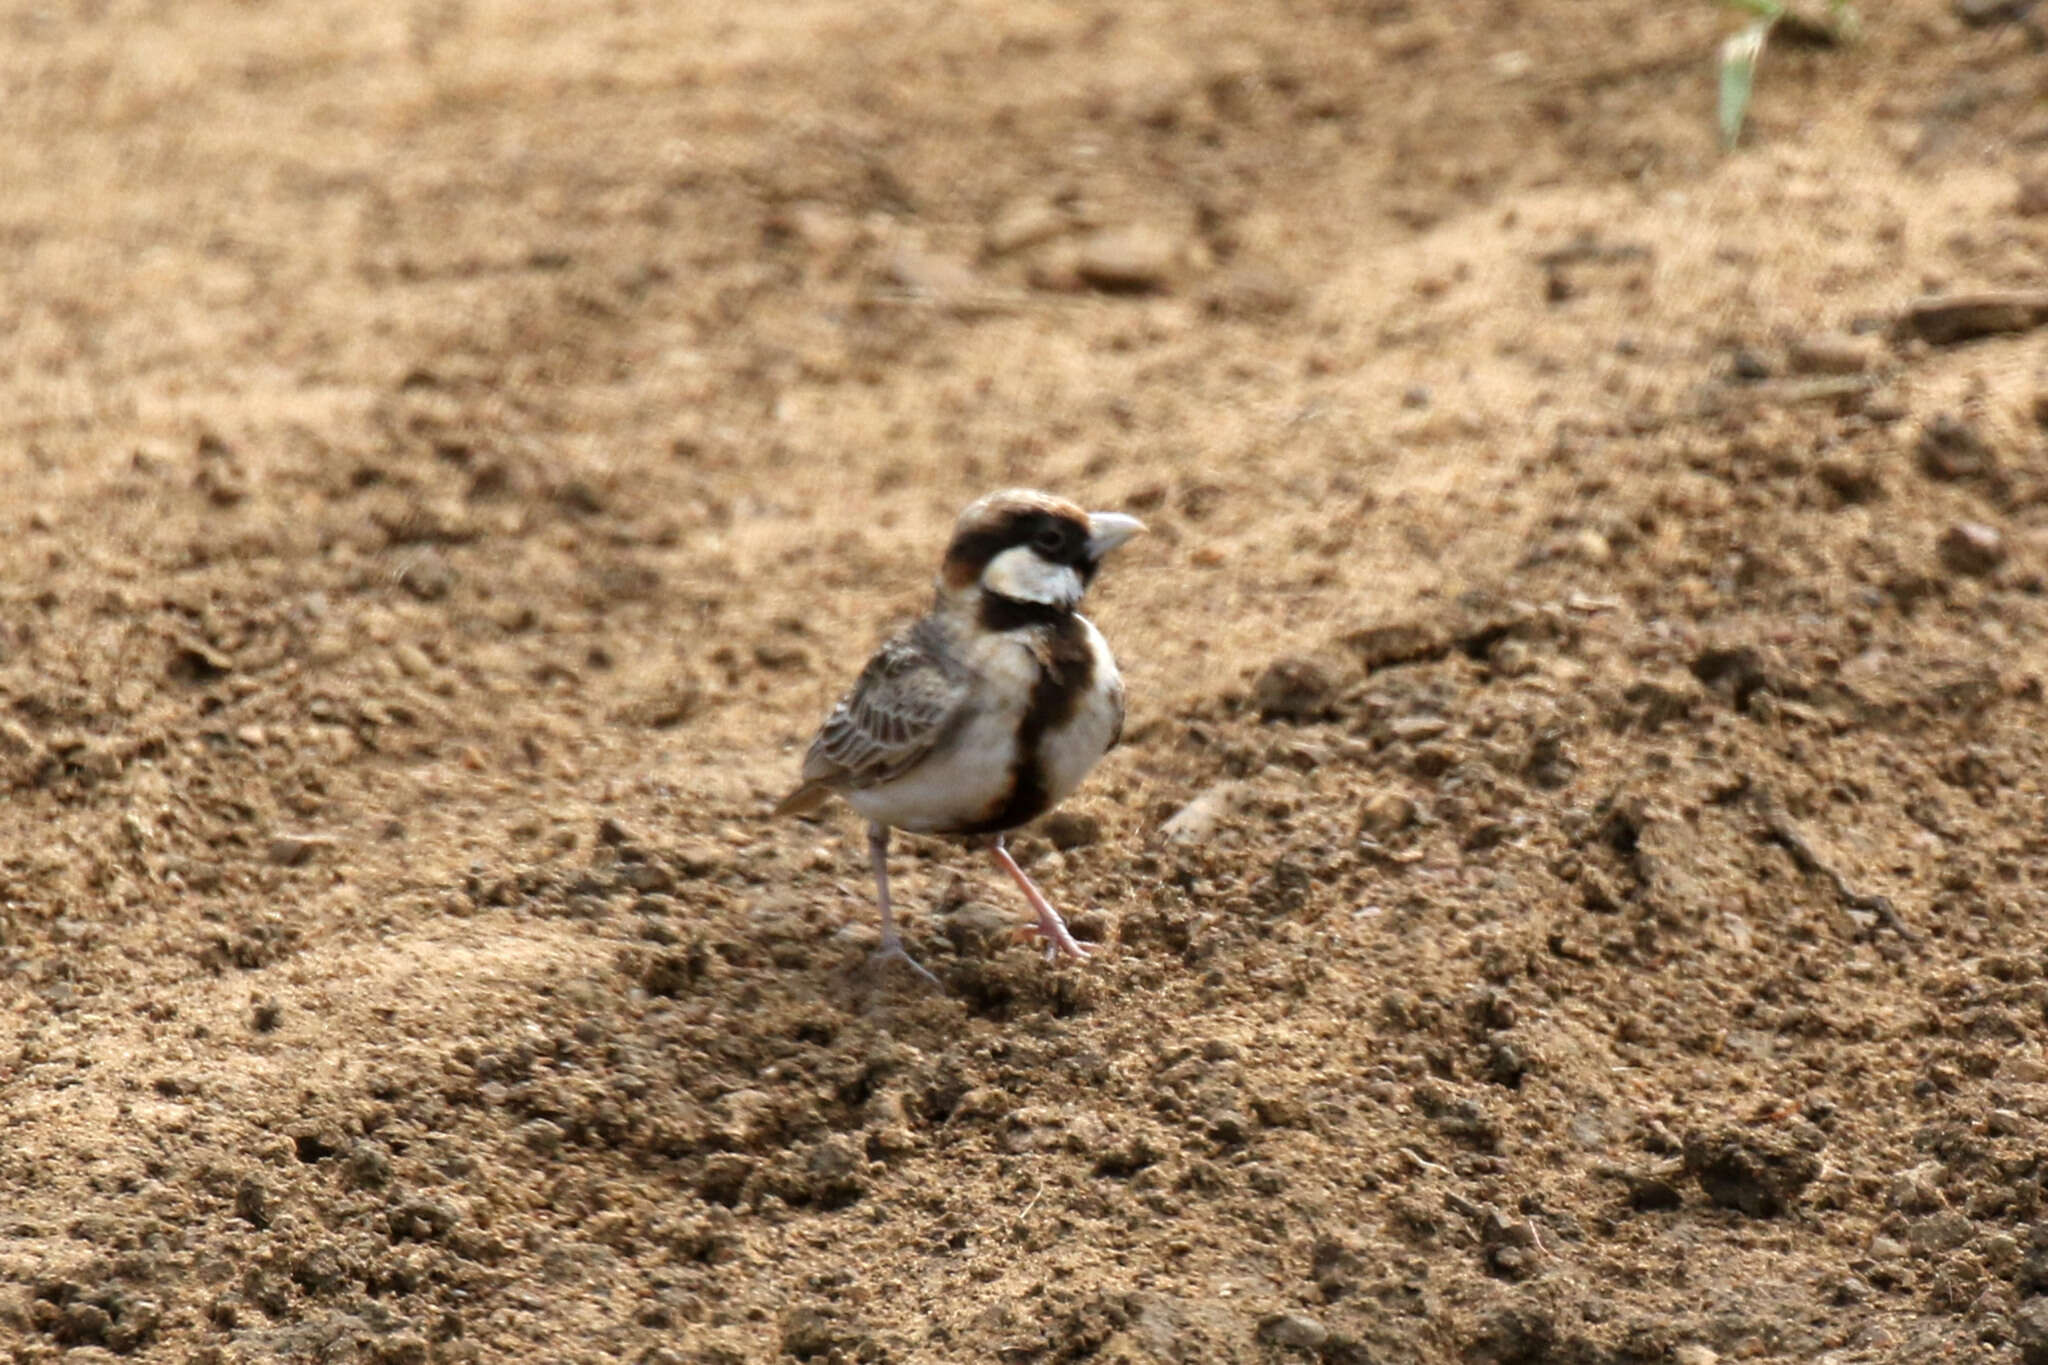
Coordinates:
x,y
1054,538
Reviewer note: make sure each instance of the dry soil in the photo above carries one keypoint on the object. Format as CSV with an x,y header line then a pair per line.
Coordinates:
x,y
1573,883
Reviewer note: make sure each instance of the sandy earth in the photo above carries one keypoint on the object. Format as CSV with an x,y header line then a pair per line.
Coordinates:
x,y
1574,877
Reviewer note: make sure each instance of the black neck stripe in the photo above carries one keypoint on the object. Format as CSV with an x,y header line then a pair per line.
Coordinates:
x,y
1000,613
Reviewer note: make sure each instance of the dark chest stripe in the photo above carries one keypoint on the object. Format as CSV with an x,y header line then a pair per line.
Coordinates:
x,y
1066,672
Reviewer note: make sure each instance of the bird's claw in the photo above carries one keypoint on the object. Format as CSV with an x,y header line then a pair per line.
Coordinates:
x,y
1058,941
894,952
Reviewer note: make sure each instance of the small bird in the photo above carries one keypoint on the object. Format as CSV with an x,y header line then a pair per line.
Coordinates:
x,y
988,711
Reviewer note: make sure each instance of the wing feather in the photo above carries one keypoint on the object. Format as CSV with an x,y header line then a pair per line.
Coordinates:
x,y
908,698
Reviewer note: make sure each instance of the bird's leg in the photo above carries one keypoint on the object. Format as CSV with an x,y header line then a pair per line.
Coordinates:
x,y
892,942
1050,927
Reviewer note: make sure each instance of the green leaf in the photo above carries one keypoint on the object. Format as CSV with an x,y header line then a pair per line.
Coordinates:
x,y
1762,9
1739,56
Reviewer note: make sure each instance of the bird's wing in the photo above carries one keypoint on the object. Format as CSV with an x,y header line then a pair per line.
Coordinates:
x,y
908,698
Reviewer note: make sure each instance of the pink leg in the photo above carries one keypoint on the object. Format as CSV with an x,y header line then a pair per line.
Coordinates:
x,y
892,941
1050,927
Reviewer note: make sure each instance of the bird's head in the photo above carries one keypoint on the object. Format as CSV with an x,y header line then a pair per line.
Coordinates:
x,y
1029,549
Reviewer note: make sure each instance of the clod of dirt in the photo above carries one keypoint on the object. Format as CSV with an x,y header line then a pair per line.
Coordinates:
x,y
1200,818
1295,689
809,1333
2031,201
1972,548
1520,1335
1251,292
1950,449
1135,259
1398,642
2030,1331
1854,481
1071,829
1293,1332
295,850
1832,353
1737,671
1759,1174
1385,814
1024,223
1950,318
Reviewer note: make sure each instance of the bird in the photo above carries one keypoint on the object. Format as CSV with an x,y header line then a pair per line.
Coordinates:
x,y
987,711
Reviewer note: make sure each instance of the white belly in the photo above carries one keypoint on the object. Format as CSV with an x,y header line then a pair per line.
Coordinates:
x,y
972,773
968,775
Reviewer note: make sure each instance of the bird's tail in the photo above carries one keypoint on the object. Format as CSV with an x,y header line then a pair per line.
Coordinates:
x,y
804,799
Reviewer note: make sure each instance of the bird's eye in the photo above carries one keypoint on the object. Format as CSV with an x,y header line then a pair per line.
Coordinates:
x,y
1049,541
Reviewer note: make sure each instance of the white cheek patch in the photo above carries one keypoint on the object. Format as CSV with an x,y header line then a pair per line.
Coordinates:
x,y
1019,572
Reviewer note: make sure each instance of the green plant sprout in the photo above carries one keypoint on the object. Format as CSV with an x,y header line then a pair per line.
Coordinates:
x,y
1741,52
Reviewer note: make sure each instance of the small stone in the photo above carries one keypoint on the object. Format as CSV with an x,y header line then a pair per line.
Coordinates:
x,y
542,1136
1198,820
1293,1332
1694,1353
1385,814
1252,292
1398,642
1950,449
1741,1170
2032,199
2030,1331
253,1202
1071,829
1653,1194
928,276
1854,481
1947,319
1023,223
812,1333
701,858
1833,353
1590,547
1136,259
1294,689
1750,366
1940,1232
1971,547
816,228
295,850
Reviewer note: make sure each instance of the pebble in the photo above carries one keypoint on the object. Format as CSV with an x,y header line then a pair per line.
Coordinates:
x,y
294,850
1195,822
1293,1332
1134,259
1294,689
1748,365
1950,449
1398,642
1252,292
1385,814
1746,1171
1070,829
1023,223
2032,199
1833,353
932,277
1972,548
2030,1331
1946,319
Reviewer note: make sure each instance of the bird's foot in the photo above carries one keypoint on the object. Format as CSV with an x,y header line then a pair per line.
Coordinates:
x,y
892,950
1059,942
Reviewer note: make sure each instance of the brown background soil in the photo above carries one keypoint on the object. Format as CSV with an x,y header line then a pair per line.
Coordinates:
x,y
454,453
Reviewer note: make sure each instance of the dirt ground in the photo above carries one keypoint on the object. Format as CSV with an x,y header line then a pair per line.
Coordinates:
x,y
1573,882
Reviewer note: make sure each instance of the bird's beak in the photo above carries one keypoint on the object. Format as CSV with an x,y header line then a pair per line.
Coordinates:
x,y
1107,530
